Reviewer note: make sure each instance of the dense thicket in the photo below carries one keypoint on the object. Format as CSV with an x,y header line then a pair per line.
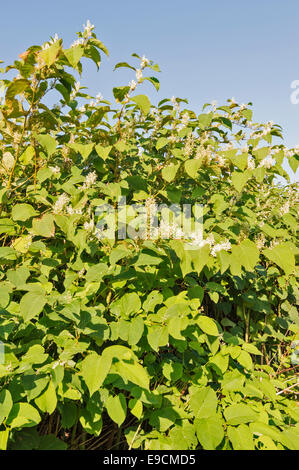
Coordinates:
x,y
141,343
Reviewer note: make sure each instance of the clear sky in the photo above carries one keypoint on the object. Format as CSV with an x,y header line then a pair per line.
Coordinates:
x,y
207,50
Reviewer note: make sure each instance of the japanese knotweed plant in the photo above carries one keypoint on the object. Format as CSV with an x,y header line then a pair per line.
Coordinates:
x,y
140,343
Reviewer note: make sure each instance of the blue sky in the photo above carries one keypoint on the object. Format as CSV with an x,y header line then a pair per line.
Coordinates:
x,y
206,50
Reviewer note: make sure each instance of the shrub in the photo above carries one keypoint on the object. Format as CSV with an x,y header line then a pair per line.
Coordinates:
x,y
139,342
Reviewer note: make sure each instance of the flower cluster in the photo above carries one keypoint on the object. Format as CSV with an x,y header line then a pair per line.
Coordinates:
x,y
176,105
89,226
226,246
189,145
250,163
90,180
267,162
139,75
78,42
60,203
55,169
144,62
70,210
88,28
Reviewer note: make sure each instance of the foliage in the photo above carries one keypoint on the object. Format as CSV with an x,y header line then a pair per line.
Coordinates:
x,y
141,343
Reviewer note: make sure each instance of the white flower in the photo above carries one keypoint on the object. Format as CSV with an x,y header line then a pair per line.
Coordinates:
x,y
139,75
198,241
55,39
60,203
285,208
226,246
28,241
172,138
82,109
77,42
221,161
189,145
250,163
88,226
144,62
54,169
81,273
90,180
132,85
267,162
70,210
273,244
88,29
175,103
99,97
185,119
260,241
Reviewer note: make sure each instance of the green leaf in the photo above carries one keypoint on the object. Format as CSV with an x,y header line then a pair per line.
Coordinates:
x,y
169,172
117,408
172,370
48,142
203,403
126,305
142,102
239,414
44,226
135,330
239,179
157,336
47,401
31,305
282,256
240,437
34,384
16,87
207,325
84,149
27,155
103,152
74,54
119,93
23,212
132,372
161,142
245,360
4,438
23,415
209,432
246,254
94,369
50,54
136,407
5,404
192,167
